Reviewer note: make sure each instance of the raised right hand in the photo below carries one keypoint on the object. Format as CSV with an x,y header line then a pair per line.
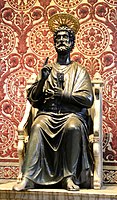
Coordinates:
x,y
45,72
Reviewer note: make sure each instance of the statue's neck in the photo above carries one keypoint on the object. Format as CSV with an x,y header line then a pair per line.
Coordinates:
x,y
63,59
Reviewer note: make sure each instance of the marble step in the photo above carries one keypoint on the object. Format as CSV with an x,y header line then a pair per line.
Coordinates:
x,y
108,192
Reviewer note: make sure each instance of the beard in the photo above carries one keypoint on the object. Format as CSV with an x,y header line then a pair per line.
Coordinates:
x,y
63,47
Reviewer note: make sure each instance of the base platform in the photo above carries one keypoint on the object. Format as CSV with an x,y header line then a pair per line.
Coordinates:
x,y
108,192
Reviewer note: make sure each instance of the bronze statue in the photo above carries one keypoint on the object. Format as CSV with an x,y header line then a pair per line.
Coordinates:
x,y
58,149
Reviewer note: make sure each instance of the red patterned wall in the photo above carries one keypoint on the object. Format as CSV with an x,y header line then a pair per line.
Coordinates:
x,y
25,42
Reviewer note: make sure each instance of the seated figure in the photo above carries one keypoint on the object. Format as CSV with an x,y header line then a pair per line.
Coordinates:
x,y
58,151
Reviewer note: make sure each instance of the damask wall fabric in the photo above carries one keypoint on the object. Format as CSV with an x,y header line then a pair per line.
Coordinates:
x,y
25,43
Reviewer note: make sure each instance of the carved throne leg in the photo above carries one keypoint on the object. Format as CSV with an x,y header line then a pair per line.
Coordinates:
x,y
21,157
97,169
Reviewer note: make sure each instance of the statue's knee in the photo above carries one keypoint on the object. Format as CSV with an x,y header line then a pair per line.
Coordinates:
x,y
35,127
74,125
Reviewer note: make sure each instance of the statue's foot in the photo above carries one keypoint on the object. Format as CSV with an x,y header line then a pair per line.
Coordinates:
x,y
24,185
70,185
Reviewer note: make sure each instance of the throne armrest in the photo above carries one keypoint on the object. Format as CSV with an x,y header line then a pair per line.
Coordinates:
x,y
24,120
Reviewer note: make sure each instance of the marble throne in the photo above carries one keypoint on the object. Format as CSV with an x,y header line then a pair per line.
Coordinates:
x,y
95,137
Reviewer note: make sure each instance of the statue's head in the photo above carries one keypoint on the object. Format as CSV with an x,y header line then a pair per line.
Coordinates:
x,y
64,26
64,39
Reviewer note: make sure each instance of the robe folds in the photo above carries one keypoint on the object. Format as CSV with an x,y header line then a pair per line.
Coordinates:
x,y
58,145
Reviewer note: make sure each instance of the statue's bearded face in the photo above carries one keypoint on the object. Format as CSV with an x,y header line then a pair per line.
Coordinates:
x,y
62,41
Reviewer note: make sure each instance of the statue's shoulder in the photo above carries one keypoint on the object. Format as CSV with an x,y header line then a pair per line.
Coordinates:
x,y
80,69
78,66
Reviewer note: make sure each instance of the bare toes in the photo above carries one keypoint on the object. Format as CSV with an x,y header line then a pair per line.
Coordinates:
x,y
70,185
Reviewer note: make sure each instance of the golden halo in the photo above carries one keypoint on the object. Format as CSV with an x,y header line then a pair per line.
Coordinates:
x,y
60,19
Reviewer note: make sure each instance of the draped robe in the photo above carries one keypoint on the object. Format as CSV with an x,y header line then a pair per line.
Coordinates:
x,y
58,145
